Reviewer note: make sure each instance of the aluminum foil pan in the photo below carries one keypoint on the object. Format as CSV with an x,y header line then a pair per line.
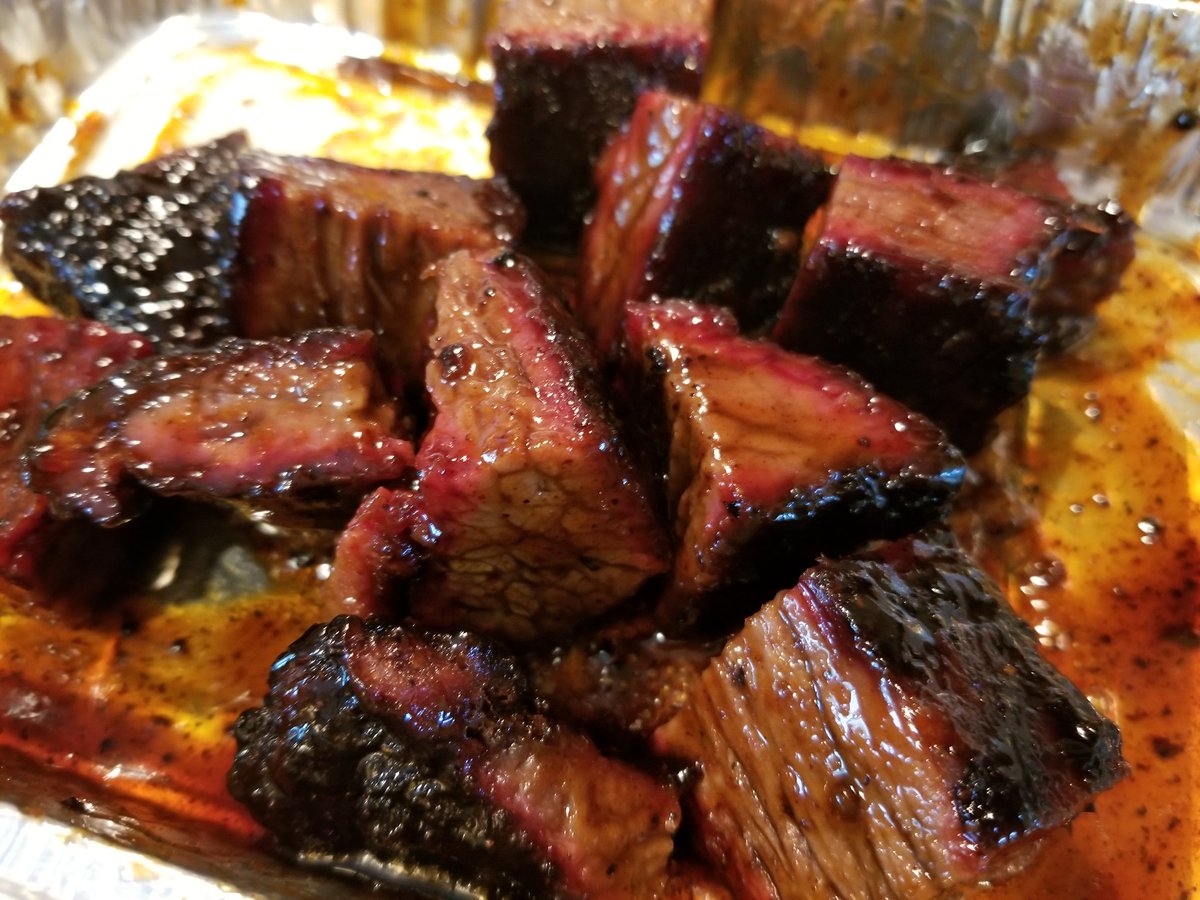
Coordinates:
x,y
1111,85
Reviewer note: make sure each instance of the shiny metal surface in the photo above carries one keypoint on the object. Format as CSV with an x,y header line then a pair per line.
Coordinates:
x,y
42,859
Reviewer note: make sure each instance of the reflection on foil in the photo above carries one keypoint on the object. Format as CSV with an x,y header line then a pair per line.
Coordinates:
x,y
42,859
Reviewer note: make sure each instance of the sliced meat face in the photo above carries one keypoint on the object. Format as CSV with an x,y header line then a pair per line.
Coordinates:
x,y
220,240
149,250
43,361
887,728
567,78
427,750
299,425
920,279
771,458
326,244
541,520
696,203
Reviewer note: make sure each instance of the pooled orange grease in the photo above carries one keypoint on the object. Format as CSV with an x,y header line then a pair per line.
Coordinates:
x,y
1115,486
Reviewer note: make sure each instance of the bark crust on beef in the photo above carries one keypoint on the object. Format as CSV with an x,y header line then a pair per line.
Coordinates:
x,y
887,728
326,775
771,458
696,203
149,250
567,77
428,751
297,425
920,280
221,240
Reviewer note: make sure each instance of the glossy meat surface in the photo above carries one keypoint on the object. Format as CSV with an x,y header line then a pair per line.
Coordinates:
x,y
541,519
327,244
887,728
1083,266
771,458
700,204
567,77
428,750
220,240
43,361
149,249
920,280
299,424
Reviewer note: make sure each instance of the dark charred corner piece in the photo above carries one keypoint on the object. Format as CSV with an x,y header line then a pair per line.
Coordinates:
x,y
887,728
221,239
297,427
770,458
43,361
429,753
696,203
149,249
567,76
530,516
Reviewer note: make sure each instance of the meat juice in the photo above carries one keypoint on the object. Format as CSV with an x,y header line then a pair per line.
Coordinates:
x,y
1088,522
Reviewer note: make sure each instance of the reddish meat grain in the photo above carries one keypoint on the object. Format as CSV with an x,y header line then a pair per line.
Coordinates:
x,y
1083,266
298,425
771,458
887,728
327,244
533,518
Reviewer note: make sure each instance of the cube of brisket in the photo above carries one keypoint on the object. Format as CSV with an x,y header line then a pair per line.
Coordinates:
x,y
220,240
567,76
696,203
771,458
534,518
428,750
921,279
43,361
327,244
149,250
887,728
297,425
